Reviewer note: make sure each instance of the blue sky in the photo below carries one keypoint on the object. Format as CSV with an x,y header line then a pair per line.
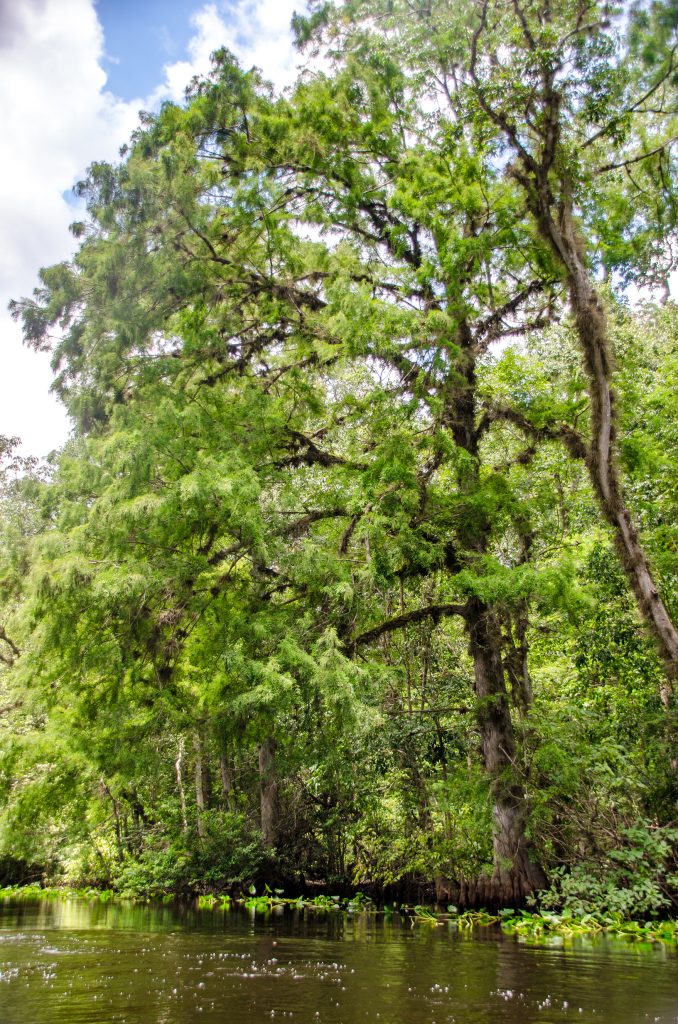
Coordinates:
x,y
140,37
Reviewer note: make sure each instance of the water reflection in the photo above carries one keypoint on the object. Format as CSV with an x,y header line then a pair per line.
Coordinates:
x,y
75,961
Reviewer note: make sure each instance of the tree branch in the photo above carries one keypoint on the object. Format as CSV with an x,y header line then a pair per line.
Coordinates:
x,y
306,452
573,441
634,106
491,323
434,612
636,159
10,643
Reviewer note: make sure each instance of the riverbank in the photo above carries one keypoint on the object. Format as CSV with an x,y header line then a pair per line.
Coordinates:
x,y
526,926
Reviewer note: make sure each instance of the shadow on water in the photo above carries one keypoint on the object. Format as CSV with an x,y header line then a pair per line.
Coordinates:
x,y
76,962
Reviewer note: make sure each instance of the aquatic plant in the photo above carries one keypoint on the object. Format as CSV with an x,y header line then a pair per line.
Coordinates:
x,y
541,924
425,916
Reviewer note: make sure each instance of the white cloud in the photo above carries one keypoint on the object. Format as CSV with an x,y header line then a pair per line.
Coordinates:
x,y
260,35
256,31
210,31
60,118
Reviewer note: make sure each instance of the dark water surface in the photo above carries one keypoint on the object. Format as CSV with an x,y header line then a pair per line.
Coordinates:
x,y
77,962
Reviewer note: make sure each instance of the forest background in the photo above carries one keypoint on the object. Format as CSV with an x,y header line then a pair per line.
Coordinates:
x,y
360,566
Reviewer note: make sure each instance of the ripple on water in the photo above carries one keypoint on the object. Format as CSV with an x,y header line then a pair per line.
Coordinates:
x,y
225,969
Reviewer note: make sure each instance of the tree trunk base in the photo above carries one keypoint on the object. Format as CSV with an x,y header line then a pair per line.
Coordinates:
x,y
509,888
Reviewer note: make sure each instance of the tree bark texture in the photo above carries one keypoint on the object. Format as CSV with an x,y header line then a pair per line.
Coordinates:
x,y
593,336
200,801
227,782
556,223
515,873
178,766
515,657
269,792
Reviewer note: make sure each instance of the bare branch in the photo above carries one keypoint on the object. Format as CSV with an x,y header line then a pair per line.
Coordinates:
x,y
491,324
634,106
572,440
636,159
10,643
433,611
306,452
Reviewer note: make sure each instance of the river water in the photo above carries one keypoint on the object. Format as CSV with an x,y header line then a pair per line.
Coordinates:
x,y
80,962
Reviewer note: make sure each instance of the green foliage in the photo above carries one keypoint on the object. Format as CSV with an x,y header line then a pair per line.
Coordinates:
x,y
633,878
321,587
230,855
545,926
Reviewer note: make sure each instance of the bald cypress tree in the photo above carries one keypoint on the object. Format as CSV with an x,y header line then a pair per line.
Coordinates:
x,y
275,334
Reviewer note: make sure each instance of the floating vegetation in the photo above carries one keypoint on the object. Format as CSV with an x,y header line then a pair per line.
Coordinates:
x,y
527,926
542,924
207,901
325,902
37,892
426,916
471,918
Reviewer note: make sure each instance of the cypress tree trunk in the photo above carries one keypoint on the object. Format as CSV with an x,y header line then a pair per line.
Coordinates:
x,y
515,873
178,765
269,792
227,783
118,828
516,661
200,801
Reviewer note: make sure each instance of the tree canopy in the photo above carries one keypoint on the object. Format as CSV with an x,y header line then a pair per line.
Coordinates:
x,y
368,512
